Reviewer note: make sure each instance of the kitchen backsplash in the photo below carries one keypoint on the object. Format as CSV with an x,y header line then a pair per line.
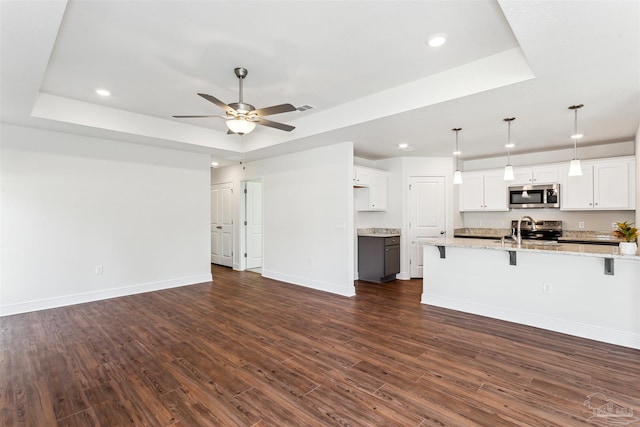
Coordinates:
x,y
571,220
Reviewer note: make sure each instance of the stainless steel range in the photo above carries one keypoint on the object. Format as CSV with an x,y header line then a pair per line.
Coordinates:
x,y
544,230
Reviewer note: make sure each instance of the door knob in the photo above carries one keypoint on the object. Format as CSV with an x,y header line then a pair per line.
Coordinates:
x,y
442,232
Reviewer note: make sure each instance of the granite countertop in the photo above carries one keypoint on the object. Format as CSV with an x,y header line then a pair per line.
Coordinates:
x,y
482,233
602,251
586,237
379,232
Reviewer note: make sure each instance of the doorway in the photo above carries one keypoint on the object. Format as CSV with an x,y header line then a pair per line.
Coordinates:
x,y
253,225
427,207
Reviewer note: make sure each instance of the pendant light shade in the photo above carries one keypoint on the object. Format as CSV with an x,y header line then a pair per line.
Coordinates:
x,y
574,167
508,173
508,169
457,175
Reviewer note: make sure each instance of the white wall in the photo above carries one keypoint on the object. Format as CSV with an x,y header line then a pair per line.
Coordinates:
x,y
637,152
308,216
71,203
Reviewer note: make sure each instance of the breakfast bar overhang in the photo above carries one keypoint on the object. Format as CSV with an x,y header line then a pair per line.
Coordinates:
x,y
567,288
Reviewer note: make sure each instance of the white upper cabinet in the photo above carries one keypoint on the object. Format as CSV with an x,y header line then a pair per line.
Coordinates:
x,y
607,184
536,175
370,189
362,176
483,191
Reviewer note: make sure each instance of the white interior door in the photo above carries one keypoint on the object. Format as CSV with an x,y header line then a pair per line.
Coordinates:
x,y
221,224
426,216
253,206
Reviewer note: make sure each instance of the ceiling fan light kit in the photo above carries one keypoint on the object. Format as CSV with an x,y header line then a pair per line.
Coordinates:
x,y
240,126
242,118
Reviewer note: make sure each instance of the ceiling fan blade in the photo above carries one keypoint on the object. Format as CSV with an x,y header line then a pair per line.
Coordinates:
x,y
217,102
191,117
271,124
276,109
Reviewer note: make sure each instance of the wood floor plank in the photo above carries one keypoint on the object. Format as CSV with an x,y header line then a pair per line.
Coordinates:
x,y
249,351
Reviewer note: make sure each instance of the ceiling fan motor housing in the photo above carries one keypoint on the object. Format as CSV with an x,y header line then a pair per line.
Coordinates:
x,y
242,108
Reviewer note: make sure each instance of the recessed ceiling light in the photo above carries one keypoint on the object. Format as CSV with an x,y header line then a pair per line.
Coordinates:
x,y
457,153
437,40
403,146
510,145
103,92
577,136
214,164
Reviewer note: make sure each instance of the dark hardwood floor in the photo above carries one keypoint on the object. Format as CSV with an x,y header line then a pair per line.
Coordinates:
x,y
244,350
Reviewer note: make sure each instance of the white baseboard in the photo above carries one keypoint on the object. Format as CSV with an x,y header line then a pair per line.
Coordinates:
x,y
43,304
593,332
334,288
403,275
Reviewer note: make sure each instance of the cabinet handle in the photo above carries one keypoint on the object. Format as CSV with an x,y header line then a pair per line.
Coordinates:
x,y
219,227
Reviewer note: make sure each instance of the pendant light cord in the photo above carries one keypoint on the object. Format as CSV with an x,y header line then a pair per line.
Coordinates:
x,y
457,151
575,133
509,142
575,109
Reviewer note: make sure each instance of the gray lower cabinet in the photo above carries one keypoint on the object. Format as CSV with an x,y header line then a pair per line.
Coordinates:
x,y
378,258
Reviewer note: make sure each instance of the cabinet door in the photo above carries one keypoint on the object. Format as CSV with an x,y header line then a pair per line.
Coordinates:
x,y
576,192
611,185
546,175
522,176
378,192
495,191
391,260
362,176
472,192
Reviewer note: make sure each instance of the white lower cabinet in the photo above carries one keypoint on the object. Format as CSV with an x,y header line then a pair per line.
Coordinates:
x,y
603,185
483,191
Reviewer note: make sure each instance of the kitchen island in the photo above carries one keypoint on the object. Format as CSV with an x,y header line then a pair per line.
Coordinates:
x,y
590,291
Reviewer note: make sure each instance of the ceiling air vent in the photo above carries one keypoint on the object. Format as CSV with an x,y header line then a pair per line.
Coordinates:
x,y
305,107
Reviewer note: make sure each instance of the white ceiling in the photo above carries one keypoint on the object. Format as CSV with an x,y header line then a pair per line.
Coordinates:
x,y
364,65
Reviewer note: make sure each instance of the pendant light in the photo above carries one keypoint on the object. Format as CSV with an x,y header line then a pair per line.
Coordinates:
x,y
457,175
508,170
574,166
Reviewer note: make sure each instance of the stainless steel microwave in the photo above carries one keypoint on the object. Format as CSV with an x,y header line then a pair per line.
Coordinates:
x,y
534,196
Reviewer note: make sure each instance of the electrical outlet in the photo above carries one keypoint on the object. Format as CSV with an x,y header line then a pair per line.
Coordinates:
x,y
547,287
581,225
614,225
99,270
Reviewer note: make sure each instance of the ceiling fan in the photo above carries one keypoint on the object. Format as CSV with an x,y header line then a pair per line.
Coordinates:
x,y
242,118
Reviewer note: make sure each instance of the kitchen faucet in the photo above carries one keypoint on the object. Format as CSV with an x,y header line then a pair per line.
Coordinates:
x,y
533,227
